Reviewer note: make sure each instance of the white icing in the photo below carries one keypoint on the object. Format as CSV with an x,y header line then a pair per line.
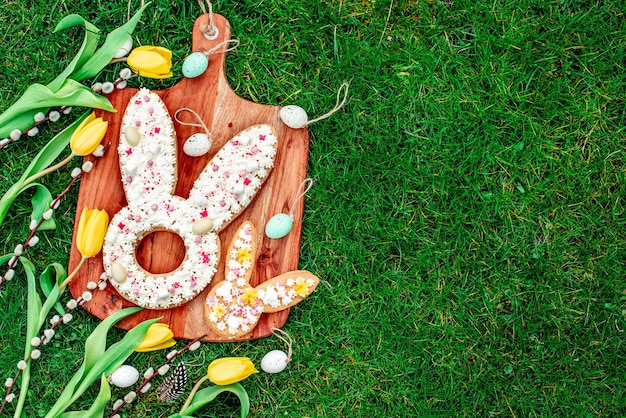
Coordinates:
x,y
234,307
149,175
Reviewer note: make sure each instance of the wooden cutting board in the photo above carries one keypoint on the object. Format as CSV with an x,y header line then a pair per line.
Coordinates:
x,y
225,114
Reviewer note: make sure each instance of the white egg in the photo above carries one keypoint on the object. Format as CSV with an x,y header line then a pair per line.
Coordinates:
x,y
197,145
118,272
294,116
124,377
125,48
274,362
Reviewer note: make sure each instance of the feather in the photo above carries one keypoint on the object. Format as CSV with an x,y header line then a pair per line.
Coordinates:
x,y
174,385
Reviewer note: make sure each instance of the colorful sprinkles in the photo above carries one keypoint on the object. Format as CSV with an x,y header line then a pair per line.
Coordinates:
x,y
148,168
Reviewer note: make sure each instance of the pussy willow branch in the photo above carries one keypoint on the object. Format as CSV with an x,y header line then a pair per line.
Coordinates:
x,y
155,374
53,205
45,339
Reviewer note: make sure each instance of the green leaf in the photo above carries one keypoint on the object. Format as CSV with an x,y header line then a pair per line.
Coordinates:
x,y
98,360
49,281
98,407
41,201
37,97
33,310
42,160
204,396
105,53
88,47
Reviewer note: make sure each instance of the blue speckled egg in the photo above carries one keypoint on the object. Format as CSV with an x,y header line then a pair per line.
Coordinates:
x,y
278,226
195,65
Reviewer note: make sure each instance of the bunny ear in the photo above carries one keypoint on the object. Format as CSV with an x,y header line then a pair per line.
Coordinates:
x,y
234,175
286,290
147,148
230,309
241,255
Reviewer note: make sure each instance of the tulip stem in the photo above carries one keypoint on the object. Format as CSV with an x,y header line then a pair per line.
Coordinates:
x,y
73,273
116,60
49,169
193,392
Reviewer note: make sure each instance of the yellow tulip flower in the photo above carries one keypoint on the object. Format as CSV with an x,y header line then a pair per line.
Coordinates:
x,y
88,135
151,61
159,336
228,370
92,227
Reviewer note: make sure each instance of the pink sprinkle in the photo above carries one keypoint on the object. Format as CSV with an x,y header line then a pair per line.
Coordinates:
x,y
157,130
205,259
129,179
247,231
246,181
150,162
226,174
121,225
222,203
137,102
137,218
215,168
172,290
254,312
237,272
129,217
146,98
254,150
235,142
170,208
262,137
242,173
193,281
136,291
150,110
129,151
154,206
138,122
204,213
198,240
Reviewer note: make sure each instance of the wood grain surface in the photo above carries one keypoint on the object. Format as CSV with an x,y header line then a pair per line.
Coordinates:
x,y
225,114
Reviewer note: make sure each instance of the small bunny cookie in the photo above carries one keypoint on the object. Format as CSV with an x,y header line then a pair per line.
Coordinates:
x,y
147,155
233,307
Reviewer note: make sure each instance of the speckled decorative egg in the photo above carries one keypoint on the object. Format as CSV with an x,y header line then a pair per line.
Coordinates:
x,y
294,116
124,49
197,145
195,65
274,362
278,226
124,377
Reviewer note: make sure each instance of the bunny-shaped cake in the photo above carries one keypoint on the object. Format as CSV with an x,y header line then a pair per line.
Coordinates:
x,y
233,307
147,156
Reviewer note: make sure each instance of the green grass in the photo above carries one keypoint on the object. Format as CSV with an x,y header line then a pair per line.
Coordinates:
x,y
467,217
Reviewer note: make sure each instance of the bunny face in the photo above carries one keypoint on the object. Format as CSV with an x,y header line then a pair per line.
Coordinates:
x,y
147,154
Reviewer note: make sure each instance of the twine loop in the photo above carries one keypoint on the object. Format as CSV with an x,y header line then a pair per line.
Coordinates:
x,y
338,105
308,182
209,29
286,339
